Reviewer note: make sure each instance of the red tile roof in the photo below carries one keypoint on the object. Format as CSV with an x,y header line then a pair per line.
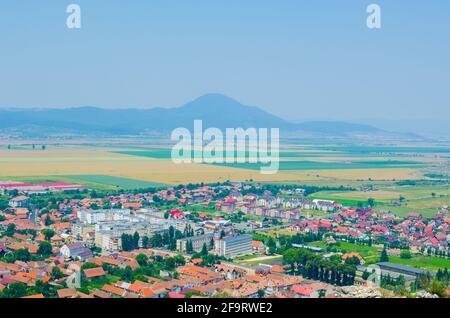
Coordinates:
x,y
94,272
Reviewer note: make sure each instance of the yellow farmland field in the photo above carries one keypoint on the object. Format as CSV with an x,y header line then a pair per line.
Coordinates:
x,y
74,161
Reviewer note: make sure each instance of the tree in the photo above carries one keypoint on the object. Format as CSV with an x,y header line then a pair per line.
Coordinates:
x,y
128,243
56,273
44,288
272,245
204,251
405,255
127,274
23,255
48,234
145,242
4,203
365,275
371,202
384,257
88,265
352,260
48,221
10,230
156,240
169,263
15,290
135,240
172,245
189,247
45,248
142,260
437,288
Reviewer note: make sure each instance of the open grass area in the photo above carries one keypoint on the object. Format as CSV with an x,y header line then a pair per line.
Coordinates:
x,y
403,211
247,257
346,247
422,199
353,198
423,262
261,259
371,255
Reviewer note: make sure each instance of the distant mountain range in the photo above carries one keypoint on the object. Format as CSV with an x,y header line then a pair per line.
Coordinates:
x,y
215,110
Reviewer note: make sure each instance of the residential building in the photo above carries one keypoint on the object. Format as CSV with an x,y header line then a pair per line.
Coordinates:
x,y
197,242
234,246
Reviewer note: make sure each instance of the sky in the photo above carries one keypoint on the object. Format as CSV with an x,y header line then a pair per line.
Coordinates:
x,y
300,60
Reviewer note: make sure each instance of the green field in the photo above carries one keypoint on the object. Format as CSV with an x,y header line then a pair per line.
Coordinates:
x,y
256,260
422,198
166,153
423,262
371,255
156,154
321,165
123,183
384,149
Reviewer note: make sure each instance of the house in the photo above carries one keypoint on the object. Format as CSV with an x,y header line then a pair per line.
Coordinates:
x,y
19,202
67,293
393,252
132,205
100,294
354,254
258,246
76,250
94,272
35,296
114,291
302,291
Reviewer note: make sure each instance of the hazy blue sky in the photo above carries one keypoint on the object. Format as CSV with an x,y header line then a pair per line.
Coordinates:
x,y
298,59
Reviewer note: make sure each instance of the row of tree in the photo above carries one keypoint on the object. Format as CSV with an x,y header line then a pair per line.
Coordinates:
x,y
314,266
167,238
130,242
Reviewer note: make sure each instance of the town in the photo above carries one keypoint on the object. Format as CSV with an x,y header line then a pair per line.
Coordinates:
x,y
229,240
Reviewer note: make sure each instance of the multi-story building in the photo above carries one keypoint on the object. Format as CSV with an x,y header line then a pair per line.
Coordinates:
x,y
234,246
197,242
108,241
95,216
83,231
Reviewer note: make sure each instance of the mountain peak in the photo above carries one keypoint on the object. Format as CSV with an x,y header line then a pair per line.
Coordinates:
x,y
215,110
216,97
213,101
